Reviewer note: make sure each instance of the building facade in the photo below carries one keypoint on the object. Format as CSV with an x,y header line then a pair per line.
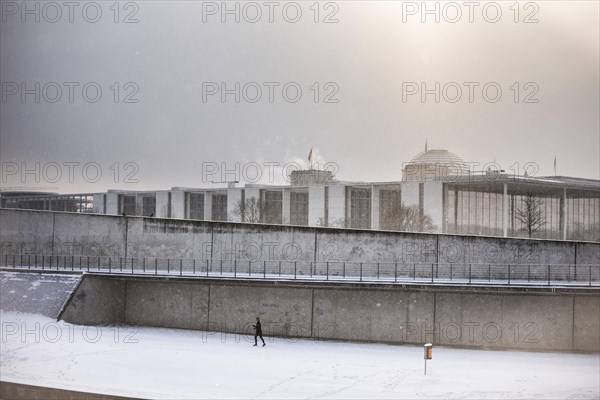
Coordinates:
x,y
437,194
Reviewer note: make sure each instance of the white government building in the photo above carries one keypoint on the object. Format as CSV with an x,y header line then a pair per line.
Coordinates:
x,y
436,183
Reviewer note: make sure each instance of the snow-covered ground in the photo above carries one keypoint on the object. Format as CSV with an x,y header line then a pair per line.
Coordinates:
x,y
172,363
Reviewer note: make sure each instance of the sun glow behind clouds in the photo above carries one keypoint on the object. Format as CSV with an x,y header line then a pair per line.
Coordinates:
x,y
369,53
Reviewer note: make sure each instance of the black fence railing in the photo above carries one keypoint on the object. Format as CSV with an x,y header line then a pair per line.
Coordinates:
x,y
361,271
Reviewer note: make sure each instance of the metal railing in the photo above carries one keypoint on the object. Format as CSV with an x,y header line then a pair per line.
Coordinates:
x,y
351,271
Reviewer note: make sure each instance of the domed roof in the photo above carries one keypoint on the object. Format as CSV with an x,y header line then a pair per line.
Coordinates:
x,y
438,157
440,163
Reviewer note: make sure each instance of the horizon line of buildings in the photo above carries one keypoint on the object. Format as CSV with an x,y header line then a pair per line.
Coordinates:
x,y
437,184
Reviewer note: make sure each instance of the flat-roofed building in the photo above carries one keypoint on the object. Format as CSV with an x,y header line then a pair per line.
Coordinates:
x,y
438,193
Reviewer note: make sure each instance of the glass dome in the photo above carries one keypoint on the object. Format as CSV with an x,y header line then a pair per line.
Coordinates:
x,y
434,165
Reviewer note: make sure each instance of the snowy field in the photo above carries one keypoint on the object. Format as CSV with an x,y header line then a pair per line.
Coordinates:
x,y
172,363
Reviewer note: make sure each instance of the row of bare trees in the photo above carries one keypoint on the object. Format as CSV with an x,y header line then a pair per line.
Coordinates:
x,y
250,210
407,219
399,217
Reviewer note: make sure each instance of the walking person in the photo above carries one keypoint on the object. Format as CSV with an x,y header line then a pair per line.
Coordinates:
x,y
258,332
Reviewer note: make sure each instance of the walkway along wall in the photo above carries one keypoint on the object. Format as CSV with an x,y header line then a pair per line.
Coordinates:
x,y
558,319
60,233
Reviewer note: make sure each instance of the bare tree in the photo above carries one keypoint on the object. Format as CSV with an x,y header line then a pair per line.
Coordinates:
x,y
166,213
399,217
530,214
250,210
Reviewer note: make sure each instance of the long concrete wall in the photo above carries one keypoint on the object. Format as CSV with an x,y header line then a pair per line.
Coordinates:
x,y
58,233
522,318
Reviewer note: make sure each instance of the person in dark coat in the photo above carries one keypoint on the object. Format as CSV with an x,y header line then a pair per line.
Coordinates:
x,y
258,332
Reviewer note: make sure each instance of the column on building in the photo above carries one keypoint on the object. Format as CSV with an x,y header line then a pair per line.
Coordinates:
x,y
505,216
112,203
336,205
208,206
433,203
177,204
139,203
99,203
316,204
563,215
285,212
374,207
162,204
234,199
410,193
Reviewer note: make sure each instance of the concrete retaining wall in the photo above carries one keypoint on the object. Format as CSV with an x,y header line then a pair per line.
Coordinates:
x,y
98,302
58,233
183,305
524,318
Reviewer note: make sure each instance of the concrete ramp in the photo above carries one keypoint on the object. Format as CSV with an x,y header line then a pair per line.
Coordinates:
x,y
36,293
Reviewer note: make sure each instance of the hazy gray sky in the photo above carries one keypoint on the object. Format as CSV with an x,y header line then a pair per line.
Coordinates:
x,y
374,58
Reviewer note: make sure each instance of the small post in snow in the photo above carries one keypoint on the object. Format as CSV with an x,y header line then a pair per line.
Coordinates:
x,y
428,354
